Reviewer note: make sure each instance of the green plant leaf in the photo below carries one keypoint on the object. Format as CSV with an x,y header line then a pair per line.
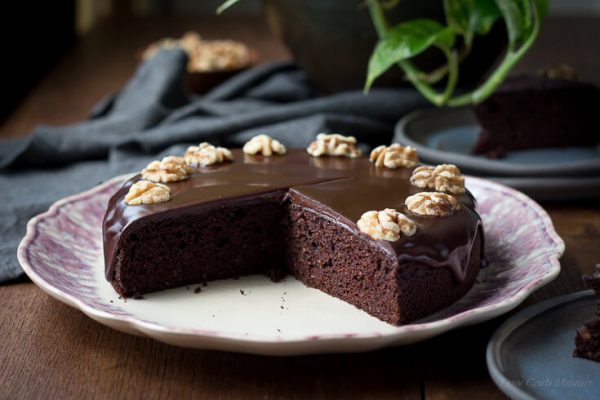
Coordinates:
x,y
542,6
405,41
514,18
519,18
457,15
471,17
225,6
484,13
468,17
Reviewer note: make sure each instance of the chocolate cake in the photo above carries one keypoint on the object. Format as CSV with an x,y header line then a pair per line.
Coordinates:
x,y
587,340
535,111
296,214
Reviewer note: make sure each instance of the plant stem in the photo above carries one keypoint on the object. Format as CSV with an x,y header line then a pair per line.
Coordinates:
x,y
378,17
440,72
500,73
452,59
412,73
421,80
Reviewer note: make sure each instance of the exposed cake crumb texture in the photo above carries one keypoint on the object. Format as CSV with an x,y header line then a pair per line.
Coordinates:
x,y
433,204
587,339
334,144
169,169
394,156
386,225
206,154
264,145
146,192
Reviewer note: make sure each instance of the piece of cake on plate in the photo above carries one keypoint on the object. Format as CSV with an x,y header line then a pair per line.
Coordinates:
x,y
587,340
549,110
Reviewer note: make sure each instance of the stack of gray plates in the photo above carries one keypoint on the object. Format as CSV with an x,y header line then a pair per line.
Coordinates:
x,y
447,135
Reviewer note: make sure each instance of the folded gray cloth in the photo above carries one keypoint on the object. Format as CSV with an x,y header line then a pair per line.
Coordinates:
x,y
153,116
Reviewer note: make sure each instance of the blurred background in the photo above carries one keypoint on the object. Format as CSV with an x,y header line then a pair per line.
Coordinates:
x,y
85,29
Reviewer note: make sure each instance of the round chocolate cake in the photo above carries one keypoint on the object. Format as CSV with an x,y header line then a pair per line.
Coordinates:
x,y
315,218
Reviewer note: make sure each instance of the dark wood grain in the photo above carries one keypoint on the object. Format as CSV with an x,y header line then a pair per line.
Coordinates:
x,y
49,350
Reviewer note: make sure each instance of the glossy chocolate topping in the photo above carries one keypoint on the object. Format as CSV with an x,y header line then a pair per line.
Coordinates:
x,y
339,188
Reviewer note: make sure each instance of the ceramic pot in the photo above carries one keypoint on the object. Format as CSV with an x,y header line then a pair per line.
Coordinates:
x,y
332,41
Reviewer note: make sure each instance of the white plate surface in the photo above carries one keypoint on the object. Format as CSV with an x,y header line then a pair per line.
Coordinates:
x,y
62,254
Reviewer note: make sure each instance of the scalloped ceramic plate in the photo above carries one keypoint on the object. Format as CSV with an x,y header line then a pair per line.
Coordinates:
x,y
62,254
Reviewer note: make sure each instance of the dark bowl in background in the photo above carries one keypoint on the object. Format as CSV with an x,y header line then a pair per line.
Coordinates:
x,y
202,81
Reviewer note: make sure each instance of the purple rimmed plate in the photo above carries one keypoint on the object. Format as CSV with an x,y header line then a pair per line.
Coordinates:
x,y
62,254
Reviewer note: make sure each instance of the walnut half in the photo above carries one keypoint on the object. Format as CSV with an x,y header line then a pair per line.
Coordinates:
x,y
394,156
559,72
386,224
334,144
146,192
422,177
169,169
444,178
433,204
447,178
265,145
206,154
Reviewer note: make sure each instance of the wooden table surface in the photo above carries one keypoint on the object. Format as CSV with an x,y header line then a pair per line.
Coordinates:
x,y
50,350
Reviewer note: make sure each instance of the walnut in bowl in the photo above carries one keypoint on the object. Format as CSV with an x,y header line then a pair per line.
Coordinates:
x,y
210,61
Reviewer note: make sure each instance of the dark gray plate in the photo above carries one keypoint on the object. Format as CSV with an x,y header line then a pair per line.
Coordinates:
x,y
530,355
446,135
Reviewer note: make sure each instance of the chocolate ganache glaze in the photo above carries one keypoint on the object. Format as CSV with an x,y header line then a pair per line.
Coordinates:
x,y
340,188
